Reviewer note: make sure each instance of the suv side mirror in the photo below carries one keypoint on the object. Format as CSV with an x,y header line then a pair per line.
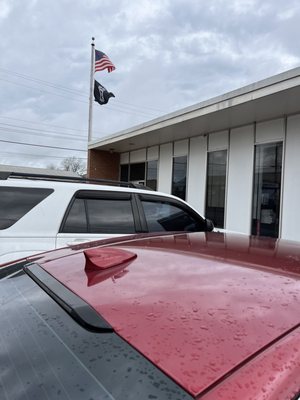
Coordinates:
x,y
209,225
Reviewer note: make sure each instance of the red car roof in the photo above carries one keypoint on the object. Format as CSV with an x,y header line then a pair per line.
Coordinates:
x,y
197,305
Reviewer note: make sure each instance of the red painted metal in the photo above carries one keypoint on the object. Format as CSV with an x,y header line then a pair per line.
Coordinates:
x,y
103,258
272,375
199,305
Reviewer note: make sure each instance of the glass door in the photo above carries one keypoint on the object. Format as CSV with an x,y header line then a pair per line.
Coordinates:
x,y
216,186
266,189
179,176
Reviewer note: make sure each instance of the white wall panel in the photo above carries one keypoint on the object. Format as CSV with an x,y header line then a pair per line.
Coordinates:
x,y
291,182
165,168
239,182
270,131
137,156
196,184
124,158
181,148
152,153
218,141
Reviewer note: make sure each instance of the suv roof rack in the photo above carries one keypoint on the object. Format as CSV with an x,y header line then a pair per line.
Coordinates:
x,y
62,178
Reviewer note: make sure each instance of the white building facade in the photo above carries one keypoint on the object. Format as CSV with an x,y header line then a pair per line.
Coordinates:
x,y
235,158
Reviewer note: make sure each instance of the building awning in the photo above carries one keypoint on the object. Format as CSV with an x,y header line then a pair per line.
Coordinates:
x,y
271,98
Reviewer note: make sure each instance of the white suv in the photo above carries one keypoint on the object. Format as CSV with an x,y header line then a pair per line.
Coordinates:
x,y
39,213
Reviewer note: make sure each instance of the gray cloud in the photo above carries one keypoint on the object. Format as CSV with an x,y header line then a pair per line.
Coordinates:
x,y
169,54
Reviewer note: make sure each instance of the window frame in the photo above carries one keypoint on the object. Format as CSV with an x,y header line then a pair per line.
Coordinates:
x,y
225,187
146,175
173,182
101,195
257,200
161,199
132,166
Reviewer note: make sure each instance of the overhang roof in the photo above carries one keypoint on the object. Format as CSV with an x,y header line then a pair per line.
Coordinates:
x,y
270,98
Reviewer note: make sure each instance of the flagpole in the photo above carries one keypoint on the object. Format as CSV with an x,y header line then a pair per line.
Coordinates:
x,y
90,128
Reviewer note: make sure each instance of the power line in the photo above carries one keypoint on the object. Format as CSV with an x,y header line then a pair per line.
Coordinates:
x,y
60,87
132,105
13,154
34,131
52,126
79,101
44,91
43,82
116,108
42,123
44,135
40,145
72,91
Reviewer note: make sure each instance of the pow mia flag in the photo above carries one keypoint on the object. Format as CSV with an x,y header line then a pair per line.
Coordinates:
x,y
101,94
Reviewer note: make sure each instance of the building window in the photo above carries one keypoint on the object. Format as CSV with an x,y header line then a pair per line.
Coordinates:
x,y
266,189
124,173
137,172
179,176
215,187
151,177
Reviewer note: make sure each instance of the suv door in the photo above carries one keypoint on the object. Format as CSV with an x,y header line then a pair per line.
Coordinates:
x,y
166,214
94,215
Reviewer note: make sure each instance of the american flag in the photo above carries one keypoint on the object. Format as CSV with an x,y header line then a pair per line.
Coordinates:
x,y
103,62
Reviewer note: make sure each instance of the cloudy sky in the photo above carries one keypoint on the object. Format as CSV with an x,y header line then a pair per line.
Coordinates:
x,y
168,54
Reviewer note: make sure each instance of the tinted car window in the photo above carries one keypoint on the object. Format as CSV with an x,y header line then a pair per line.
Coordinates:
x,y
100,213
166,216
110,216
15,202
76,220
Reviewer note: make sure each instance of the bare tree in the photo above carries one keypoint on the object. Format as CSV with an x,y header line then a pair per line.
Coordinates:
x,y
74,164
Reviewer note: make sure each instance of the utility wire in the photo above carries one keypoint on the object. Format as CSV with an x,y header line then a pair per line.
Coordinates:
x,y
45,132
52,126
40,145
153,111
79,101
75,91
42,82
11,131
13,154
44,91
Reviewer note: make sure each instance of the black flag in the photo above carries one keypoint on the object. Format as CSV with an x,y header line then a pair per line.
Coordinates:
x,y
101,94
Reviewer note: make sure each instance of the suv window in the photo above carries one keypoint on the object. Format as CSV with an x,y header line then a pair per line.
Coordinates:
x,y
105,214
76,221
110,216
168,216
15,202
